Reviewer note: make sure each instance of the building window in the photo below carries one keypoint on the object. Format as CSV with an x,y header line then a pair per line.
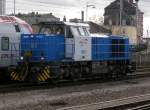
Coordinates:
x,y
110,22
124,22
128,22
124,31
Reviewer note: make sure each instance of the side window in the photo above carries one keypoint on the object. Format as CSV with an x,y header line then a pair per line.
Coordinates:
x,y
5,43
17,28
69,33
86,31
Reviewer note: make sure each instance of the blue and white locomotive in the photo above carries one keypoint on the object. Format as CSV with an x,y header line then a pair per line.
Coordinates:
x,y
65,50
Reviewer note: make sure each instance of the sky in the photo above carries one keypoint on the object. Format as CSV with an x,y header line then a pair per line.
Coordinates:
x,y
71,8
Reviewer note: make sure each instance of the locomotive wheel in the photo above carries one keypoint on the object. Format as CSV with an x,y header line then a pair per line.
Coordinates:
x,y
75,74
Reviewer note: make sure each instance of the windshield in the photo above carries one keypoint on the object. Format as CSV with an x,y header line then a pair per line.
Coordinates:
x,y
52,29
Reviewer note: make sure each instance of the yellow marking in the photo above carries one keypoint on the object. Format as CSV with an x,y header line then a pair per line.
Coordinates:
x,y
47,70
42,79
47,75
12,77
39,78
43,76
16,78
12,73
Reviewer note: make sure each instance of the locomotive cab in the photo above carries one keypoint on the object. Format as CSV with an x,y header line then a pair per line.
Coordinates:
x,y
77,38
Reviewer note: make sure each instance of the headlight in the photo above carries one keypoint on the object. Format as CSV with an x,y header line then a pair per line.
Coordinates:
x,y
21,58
42,58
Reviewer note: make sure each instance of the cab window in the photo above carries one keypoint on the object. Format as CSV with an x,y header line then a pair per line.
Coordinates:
x,y
82,33
69,33
86,31
52,29
75,31
5,43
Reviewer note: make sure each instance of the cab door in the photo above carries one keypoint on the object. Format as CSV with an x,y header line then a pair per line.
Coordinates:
x,y
69,44
82,45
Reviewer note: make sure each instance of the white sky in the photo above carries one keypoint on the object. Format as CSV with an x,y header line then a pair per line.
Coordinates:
x,y
71,8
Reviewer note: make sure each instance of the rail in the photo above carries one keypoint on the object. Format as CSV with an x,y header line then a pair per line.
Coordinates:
x,y
144,107
125,103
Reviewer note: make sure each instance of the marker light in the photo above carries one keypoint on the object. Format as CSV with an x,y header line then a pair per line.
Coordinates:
x,y
21,58
42,58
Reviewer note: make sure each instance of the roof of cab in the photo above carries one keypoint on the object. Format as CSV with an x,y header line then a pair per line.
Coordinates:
x,y
64,23
99,35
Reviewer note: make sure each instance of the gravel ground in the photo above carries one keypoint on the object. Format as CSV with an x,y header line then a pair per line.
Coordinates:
x,y
51,99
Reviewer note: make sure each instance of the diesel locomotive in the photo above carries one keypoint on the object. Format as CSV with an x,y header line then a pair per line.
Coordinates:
x,y
67,51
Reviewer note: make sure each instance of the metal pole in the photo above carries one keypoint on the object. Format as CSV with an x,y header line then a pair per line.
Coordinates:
x,y
137,14
121,10
86,11
14,7
82,16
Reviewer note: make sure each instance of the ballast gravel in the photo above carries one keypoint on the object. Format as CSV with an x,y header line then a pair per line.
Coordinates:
x,y
52,99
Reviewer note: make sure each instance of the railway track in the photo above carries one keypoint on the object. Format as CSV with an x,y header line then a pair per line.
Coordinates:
x,y
141,72
144,107
131,103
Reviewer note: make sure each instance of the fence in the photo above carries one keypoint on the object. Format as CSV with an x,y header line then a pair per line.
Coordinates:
x,y
141,58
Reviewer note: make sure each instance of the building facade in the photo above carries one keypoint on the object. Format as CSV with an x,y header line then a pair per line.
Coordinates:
x,y
2,7
130,20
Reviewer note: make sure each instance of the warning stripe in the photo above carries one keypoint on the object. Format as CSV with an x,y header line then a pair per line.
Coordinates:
x,y
39,78
43,75
42,79
17,75
14,75
46,73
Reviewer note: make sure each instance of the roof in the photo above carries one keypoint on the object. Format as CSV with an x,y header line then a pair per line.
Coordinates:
x,y
95,28
11,19
99,35
129,8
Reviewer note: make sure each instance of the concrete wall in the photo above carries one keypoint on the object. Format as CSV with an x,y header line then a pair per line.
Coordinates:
x,y
129,31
